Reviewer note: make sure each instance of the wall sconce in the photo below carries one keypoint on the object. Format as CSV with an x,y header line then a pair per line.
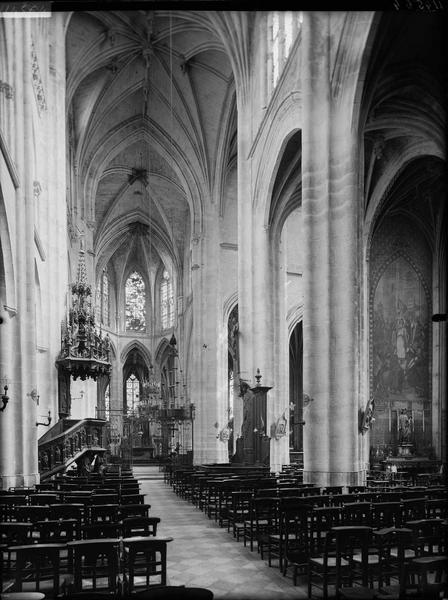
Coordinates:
x,y
5,398
45,424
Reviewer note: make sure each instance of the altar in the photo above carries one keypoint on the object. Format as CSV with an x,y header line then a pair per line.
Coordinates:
x,y
410,466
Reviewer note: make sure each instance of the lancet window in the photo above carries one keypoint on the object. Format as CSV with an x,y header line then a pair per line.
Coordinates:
x,y
135,309
132,393
102,299
166,301
282,31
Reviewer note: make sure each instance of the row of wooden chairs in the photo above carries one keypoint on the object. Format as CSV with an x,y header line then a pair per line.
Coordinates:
x,y
105,564
69,529
268,518
93,497
83,513
364,564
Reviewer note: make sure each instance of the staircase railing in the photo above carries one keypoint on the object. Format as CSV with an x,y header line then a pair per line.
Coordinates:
x,y
67,441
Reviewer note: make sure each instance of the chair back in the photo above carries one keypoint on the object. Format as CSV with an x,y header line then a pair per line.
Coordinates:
x,y
146,557
38,565
101,530
357,513
386,514
432,575
351,540
95,564
140,526
295,533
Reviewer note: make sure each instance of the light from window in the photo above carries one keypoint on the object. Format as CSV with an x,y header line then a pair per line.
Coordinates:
x,y
107,403
231,392
166,301
135,303
102,300
283,31
132,394
105,298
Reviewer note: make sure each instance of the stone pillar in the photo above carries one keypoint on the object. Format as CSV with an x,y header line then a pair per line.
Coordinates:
x,y
25,372
278,397
331,287
245,266
208,390
11,415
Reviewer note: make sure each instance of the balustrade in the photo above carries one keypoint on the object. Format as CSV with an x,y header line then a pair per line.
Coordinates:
x,y
56,450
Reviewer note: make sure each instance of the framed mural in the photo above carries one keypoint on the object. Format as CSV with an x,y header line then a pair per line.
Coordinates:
x,y
400,307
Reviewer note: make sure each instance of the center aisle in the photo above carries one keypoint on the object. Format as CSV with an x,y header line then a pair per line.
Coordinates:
x,y
205,555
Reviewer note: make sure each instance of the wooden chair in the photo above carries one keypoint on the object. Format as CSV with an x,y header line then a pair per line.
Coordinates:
x,y
357,513
174,592
103,513
8,506
43,499
38,568
413,509
386,514
239,512
12,534
56,531
145,558
428,536
132,498
32,514
436,508
432,577
104,529
395,546
296,540
333,489
103,499
134,510
265,522
140,526
336,565
322,520
95,564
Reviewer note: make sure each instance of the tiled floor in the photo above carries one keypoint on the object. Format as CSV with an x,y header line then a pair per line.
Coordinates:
x,y
205,555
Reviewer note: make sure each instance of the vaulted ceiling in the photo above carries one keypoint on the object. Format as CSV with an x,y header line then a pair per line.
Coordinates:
x,y
151,118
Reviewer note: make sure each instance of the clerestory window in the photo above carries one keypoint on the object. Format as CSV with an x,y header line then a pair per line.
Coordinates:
x,y
102,299
166,301
135,303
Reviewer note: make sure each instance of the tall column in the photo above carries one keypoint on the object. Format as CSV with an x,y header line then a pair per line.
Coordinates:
x,y
245,233
208,390
331,287
25,372
315,206
278,397
11,415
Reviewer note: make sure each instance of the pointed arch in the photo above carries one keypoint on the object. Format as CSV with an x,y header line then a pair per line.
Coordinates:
x,y
136,345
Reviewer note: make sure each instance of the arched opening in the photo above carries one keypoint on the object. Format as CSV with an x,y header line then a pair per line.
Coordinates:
x,y
135,372
404,287
296,394
232,375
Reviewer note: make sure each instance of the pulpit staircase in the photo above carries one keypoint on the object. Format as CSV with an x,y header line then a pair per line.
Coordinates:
x,y
70,440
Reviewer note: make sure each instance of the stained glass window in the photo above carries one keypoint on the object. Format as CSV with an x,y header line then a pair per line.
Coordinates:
x,y
107,403
135,303
166,301
105,298
132,394
102,299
